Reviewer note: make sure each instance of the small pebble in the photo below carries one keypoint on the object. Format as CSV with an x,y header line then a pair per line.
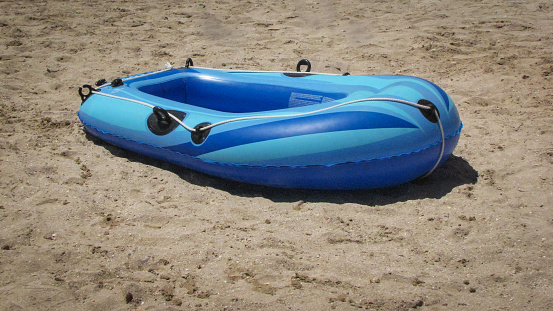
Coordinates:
x,y
128,297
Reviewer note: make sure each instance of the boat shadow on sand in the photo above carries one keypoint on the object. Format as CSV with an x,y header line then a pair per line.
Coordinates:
x,y
455,172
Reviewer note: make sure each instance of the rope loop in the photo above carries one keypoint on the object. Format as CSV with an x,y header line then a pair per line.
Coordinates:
x,y
303,62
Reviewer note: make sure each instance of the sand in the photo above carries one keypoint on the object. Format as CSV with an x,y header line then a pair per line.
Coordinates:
x,y
88,226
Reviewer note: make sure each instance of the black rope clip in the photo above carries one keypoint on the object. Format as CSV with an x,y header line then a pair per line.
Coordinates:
x,y
117,82
85,96
303,62
101,82
199,135
431,114
189,63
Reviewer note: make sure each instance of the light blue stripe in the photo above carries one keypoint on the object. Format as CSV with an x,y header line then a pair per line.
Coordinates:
x,y
303,145
117,112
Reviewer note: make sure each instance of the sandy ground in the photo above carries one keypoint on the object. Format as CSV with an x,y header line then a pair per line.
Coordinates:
x,y
88,226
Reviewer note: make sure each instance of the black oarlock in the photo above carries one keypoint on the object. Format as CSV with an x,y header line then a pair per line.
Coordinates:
x,y
163,118
161,123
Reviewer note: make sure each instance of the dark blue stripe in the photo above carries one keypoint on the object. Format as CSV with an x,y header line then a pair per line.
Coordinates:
x,y
340,121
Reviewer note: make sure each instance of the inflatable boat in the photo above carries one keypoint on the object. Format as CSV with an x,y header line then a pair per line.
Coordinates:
x,y
281,129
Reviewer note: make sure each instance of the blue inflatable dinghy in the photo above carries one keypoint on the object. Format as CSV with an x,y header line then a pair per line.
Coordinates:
x,y
280,129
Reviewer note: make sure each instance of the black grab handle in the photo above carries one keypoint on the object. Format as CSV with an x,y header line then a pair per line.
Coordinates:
x,y
303,62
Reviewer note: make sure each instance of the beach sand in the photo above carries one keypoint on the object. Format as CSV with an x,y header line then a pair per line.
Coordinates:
x,y
88,226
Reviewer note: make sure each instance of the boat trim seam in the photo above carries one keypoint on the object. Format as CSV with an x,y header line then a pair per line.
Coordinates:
x,y
281,166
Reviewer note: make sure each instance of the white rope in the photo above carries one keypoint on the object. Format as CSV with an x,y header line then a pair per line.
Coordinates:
x,y
168,66
264,71
124,98
315,111
147,105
